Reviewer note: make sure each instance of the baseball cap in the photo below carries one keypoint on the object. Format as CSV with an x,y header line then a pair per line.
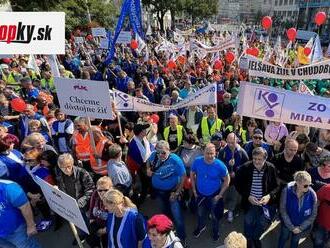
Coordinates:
x,y
258,132
138,128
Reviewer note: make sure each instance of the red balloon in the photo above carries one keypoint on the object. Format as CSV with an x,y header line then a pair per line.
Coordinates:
x,y
134,44
18,104
171,64
307,51
217,65
181,59
266,22
291,33
254,51
89,37
320,18
154,118
230,57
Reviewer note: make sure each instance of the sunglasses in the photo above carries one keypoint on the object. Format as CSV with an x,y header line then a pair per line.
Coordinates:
x,y
306,186
102,190
257,137
161,152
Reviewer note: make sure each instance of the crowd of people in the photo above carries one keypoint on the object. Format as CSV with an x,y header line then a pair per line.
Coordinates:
x,y
202,159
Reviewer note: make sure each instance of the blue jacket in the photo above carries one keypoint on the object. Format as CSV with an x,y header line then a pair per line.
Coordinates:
x,y
248,147
299,215
127,230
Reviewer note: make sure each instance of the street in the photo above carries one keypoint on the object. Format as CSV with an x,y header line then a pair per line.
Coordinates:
x,y
64,237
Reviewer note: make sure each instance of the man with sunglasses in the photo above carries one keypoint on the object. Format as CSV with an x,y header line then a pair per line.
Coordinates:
x,y
257,141
167,174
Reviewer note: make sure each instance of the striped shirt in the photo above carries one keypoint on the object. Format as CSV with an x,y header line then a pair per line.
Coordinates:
x,y
256,187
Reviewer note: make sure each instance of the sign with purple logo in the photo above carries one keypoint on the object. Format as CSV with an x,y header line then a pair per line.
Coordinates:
x,y
269,103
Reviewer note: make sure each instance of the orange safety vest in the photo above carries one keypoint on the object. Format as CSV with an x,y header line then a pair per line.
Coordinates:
x,y
83,148
99,169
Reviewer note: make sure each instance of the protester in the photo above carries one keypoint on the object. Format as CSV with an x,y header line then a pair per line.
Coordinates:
x,y
16,217
98,214
125,226
257,184
209,179
233,156
298,209
167,174
257,141
321,232
235,240
209,125
117,170
160,232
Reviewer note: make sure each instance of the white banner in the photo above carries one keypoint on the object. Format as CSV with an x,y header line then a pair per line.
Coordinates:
x,y
79,40
84,97
124,37
269,103
125,102
32,33
62,204
99,32
104,43
227,43
257,68
52,60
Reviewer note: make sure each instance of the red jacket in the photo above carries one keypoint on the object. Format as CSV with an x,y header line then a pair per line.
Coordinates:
x,y
323,217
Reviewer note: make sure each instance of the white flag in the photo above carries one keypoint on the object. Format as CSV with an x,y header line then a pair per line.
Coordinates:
x,y
32,64
317,51
52,60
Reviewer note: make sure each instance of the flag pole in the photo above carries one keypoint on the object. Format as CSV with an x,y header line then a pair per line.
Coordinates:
x,y
75,233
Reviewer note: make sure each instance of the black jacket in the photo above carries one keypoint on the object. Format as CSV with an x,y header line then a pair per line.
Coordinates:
x,y
243,182
84,185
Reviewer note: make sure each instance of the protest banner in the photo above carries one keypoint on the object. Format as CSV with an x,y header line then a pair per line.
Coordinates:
x,y
230,42
85,98
79,40
258,68
53,65
125,102
62,204
273,104
99,32
104,43
124,37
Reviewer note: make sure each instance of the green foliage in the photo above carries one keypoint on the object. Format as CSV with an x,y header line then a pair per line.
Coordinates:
x,y
103,12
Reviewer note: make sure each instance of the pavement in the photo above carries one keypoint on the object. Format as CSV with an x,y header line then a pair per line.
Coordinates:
x,y
63,238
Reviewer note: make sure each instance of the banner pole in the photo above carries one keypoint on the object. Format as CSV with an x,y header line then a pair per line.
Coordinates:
x,y
92,141
75,233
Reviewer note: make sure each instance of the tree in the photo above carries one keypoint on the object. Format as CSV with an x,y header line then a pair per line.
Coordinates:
x,y
199,9
103,12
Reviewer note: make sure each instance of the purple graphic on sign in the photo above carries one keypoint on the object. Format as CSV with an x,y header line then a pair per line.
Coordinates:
x,y
268,103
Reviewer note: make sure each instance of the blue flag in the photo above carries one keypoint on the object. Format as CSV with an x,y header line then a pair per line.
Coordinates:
x,y
131,8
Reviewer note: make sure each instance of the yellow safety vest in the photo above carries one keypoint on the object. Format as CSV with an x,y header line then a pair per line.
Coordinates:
x,y
206,133
179,133
242,132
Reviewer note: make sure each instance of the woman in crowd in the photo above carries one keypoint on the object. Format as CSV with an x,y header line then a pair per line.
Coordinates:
x,y
125,225
98,214
274,134
160,233
298,209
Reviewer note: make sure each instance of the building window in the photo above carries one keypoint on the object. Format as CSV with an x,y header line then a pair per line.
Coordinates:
x,y
285,2
291,2
265,1
281,2
276,2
